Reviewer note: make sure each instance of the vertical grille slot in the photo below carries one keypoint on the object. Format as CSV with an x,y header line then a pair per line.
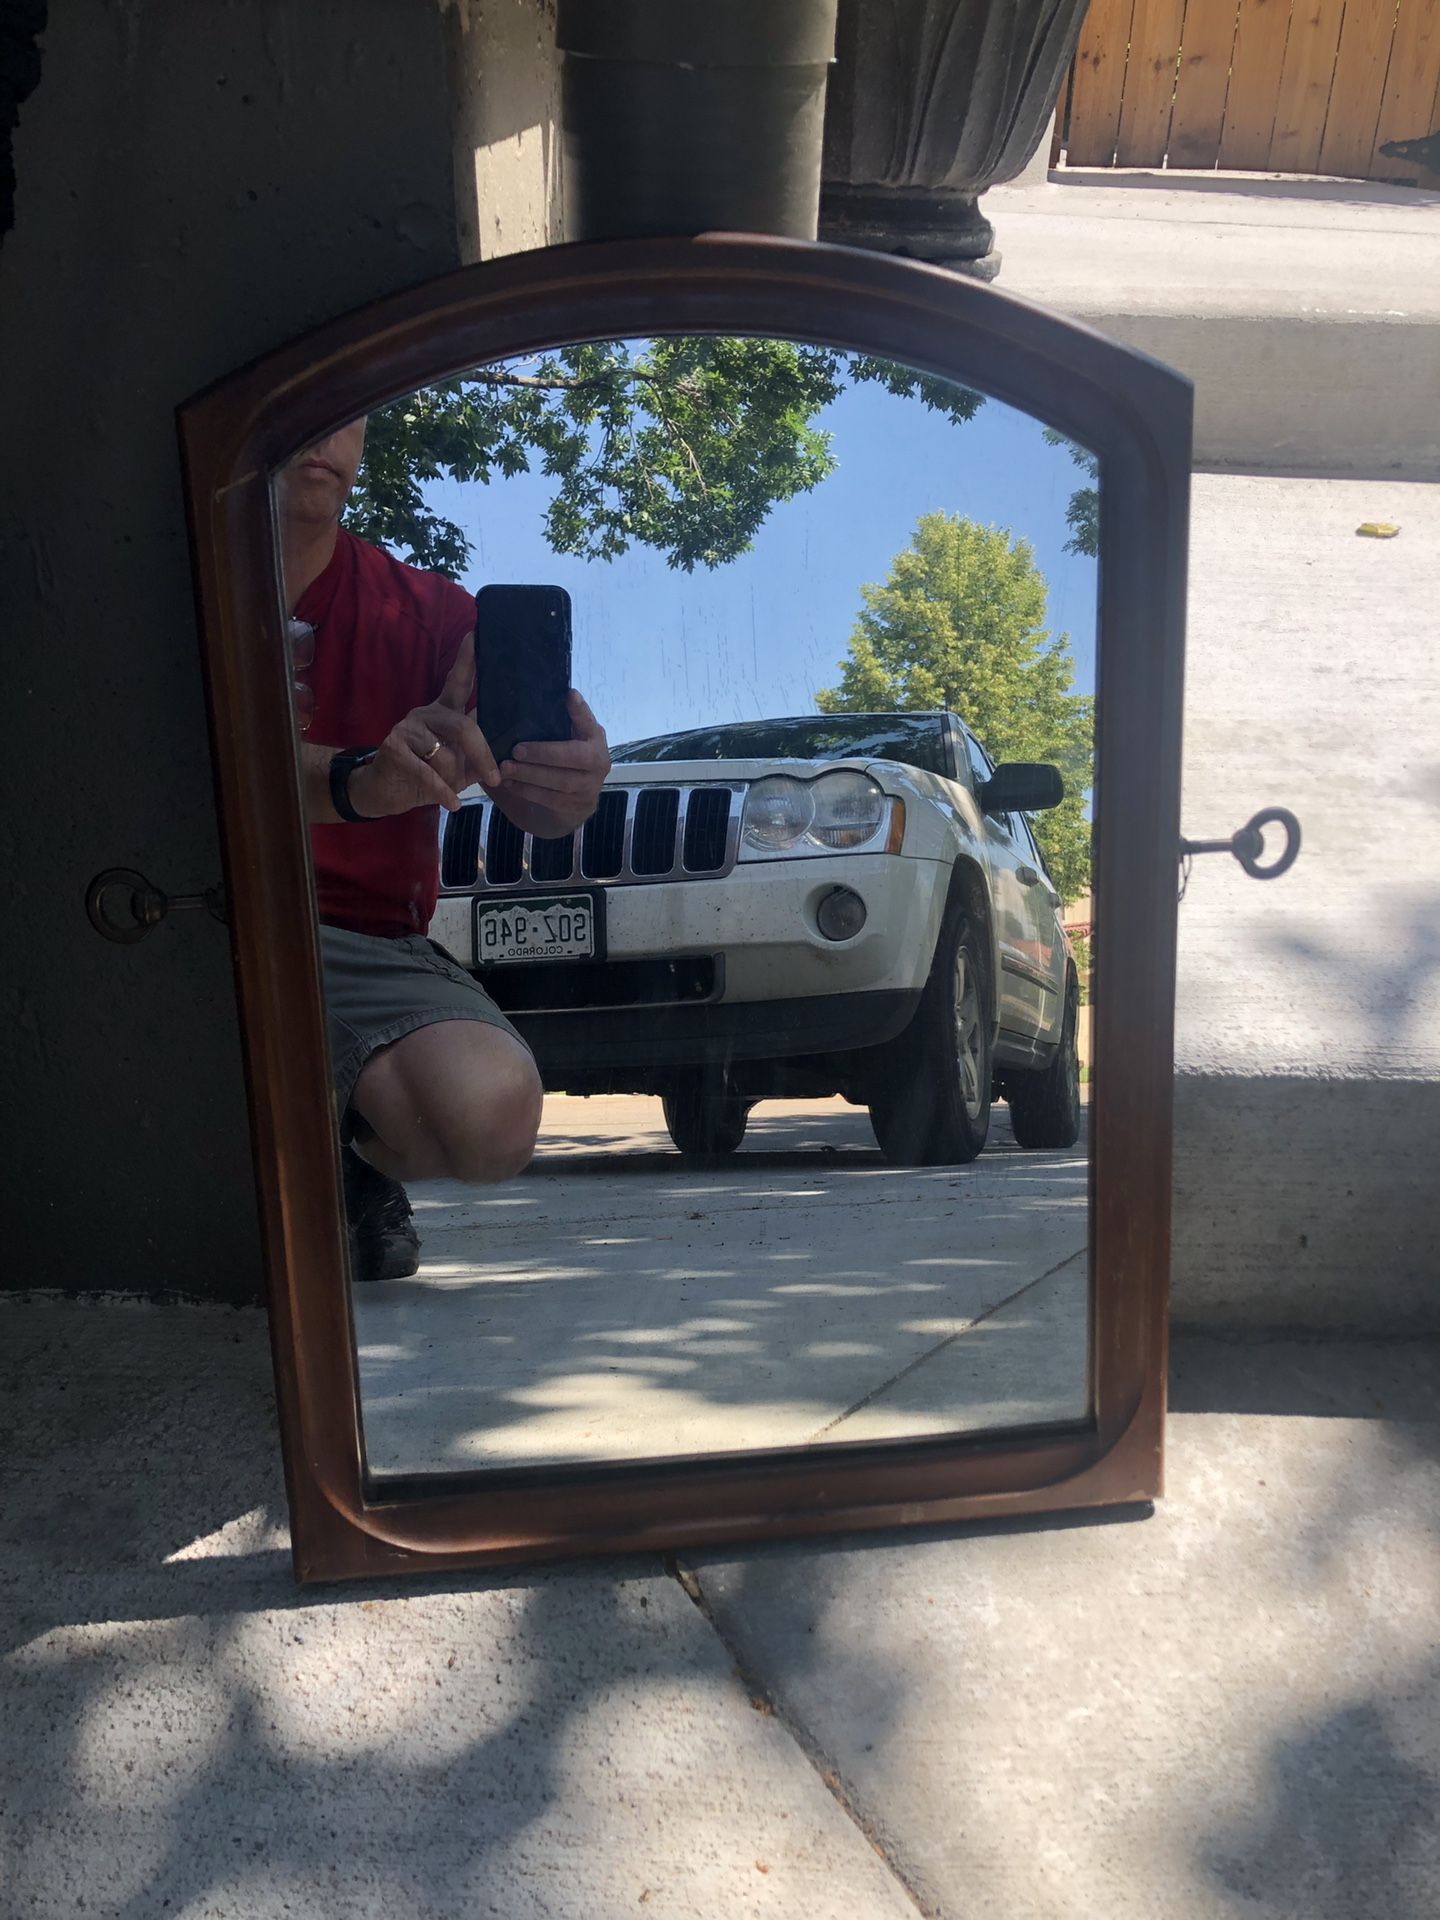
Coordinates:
x,y
460,856
652,844
602,847
504,850
707,820
552,860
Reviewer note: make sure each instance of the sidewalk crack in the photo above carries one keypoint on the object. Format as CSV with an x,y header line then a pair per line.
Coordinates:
x,y
947,1340
765,1701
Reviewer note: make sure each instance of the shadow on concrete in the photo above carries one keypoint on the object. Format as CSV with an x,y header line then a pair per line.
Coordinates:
x,y
1219,1712
240,1795
788,1138
187,1731
780,1298
1346,1811
197,1734
1309,1376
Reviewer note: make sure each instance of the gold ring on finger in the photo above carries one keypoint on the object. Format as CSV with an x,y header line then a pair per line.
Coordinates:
x,y
432,753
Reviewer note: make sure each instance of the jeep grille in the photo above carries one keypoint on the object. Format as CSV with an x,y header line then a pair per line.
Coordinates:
x,y
636,834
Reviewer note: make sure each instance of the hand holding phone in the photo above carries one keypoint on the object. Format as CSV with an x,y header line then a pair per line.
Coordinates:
x,y
522,666
426,758
551,749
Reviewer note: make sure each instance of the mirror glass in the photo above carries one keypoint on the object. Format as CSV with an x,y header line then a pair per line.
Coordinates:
x,y
736,1097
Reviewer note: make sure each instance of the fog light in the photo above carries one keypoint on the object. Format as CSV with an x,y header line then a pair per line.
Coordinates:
x,y
841,914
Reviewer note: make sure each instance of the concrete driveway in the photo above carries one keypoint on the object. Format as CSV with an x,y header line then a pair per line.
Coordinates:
x,y
615,1303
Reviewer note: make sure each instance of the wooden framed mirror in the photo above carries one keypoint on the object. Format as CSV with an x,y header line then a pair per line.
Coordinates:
x,y
850,1201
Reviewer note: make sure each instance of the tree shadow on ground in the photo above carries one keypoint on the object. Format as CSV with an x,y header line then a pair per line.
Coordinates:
x,y
1347,1826
188,1732
725,1308
198,1734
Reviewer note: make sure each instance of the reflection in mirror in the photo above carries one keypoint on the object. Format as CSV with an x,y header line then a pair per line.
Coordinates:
x,y
732,1095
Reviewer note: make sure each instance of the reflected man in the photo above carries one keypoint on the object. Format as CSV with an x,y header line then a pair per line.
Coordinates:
x,y
431,1080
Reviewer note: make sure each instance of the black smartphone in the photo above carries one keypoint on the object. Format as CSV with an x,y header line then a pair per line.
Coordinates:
x,y
522,665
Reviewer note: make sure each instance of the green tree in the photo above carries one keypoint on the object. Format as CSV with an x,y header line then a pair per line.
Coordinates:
x,y
960,625
1083,512
681,444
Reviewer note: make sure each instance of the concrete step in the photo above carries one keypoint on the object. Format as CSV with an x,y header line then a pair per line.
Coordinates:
x,y
1308,1010
1307,312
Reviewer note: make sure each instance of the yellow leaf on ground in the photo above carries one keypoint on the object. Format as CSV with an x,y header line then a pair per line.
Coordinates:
x,y
1377,529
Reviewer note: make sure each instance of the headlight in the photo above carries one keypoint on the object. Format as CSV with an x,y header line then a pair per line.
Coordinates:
x,y
778,812
849,810
837,813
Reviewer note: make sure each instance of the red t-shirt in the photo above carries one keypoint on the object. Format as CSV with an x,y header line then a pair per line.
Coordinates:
x,y
386,636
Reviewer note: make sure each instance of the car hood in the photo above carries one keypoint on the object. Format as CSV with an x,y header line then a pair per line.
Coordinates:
x,y
890,774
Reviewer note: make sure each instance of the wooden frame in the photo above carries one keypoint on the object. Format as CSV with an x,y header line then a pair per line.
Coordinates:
x,y
1135,415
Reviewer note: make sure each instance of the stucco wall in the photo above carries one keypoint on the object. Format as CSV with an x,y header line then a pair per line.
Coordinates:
x,y
195,184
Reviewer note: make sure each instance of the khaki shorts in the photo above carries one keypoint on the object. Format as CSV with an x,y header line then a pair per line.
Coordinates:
x,y
378,990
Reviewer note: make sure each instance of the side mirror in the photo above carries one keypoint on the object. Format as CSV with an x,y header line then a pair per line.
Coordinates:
x,y
1022,786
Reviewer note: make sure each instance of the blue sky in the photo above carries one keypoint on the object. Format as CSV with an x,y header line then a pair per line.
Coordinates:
x,y
657,649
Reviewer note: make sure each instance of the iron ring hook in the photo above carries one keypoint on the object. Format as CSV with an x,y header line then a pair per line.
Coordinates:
x,y
1249,843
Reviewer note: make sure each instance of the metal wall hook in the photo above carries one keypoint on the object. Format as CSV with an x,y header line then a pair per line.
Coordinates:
x,y
1247,845
123,905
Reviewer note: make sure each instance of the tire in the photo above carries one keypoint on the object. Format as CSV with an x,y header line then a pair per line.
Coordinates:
x,y
704,1121
932,1106
1045,1105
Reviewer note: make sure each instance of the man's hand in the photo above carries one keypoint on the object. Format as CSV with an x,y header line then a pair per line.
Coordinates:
x,y
431,754
551,787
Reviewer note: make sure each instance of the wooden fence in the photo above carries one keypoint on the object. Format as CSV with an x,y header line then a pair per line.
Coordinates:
x,y
1266,86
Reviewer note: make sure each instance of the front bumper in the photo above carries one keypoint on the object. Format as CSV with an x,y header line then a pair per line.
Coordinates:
x,y
759,923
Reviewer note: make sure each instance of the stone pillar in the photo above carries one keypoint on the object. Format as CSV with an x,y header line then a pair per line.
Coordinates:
x,y
931,102
680,116
506,78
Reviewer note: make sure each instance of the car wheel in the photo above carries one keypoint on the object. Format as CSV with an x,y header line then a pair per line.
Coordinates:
x,y
704,1121
931,1107
1045,1105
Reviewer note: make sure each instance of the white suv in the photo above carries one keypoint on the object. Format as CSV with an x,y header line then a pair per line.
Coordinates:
x,y
838,903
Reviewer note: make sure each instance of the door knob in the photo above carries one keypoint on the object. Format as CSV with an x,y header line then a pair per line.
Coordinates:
x,y
124,905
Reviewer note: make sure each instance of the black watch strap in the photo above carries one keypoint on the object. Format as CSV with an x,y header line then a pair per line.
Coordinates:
x,y
342,765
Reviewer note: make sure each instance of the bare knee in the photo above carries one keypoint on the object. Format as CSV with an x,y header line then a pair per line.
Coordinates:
x,y
497,1139
452,1101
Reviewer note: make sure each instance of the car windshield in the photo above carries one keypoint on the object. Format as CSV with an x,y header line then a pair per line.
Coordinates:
x,y
914,739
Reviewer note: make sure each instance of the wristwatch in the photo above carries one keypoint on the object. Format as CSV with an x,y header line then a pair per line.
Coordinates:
x,y
342,765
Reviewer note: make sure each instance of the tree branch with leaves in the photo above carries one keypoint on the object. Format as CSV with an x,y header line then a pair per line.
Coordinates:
x,y
1083,513
959,625
684,445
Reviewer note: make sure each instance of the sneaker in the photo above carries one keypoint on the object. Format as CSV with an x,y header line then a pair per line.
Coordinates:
x,y
383,1242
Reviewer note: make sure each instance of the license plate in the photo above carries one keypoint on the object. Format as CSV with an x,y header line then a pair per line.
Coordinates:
x,y
562,929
